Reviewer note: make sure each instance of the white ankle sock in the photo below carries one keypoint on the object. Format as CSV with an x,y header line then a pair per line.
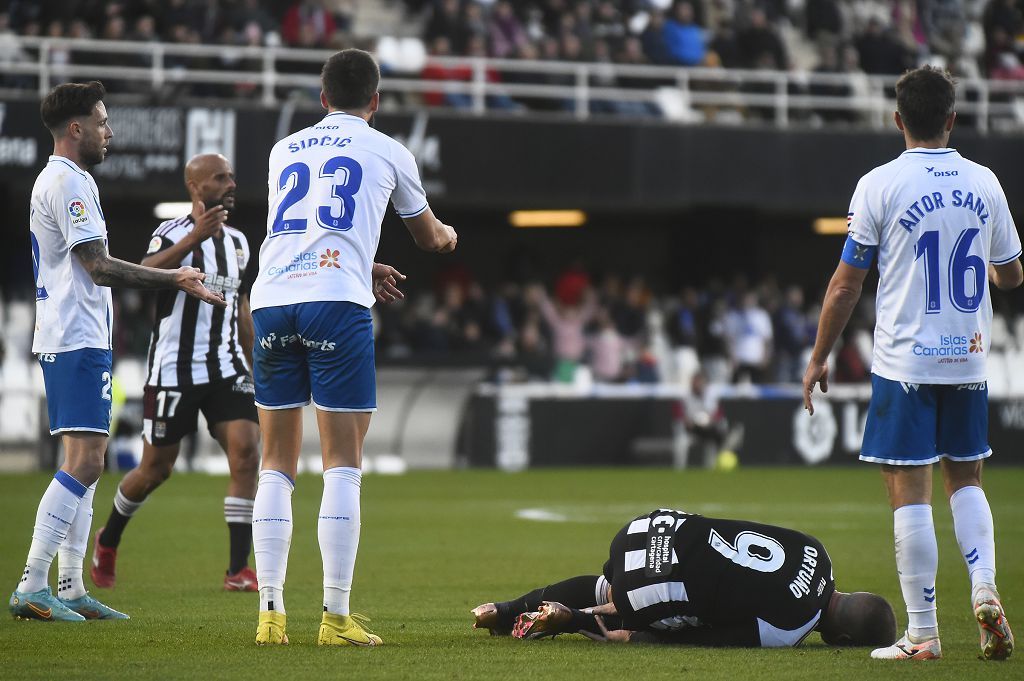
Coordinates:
x,y
272,536
972,522
124,505
54,517
238,510
917,561
71,554
338,531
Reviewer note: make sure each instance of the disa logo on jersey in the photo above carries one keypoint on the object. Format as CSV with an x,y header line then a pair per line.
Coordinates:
x,y
77,211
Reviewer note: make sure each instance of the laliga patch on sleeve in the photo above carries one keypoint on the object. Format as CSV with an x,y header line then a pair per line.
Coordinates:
x,y
154,245
78,212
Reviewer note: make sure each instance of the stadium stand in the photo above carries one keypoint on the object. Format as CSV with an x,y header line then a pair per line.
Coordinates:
x,y
808,63
820,62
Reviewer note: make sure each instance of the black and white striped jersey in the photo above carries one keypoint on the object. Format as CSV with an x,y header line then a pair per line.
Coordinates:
x,y
738,582
192,342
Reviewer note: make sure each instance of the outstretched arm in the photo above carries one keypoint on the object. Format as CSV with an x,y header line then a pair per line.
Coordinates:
x,y
107,271
431,234
840,300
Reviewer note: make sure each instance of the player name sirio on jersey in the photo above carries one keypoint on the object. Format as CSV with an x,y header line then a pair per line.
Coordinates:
x,y
929,203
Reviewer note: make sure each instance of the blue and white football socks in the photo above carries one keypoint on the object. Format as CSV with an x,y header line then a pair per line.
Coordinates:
x,y
338,531
54,517
975,533
917,561
71,555
272,536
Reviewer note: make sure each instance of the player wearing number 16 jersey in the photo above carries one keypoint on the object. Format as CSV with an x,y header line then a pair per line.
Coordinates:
x,y
941,229
329,187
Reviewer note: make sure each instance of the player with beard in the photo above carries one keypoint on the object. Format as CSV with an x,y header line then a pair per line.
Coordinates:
x,y
199,360
72,339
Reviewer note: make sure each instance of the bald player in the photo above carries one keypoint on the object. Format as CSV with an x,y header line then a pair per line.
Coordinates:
x,y
199,361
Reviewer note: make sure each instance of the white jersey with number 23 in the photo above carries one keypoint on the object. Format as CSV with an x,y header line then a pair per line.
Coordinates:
x,y
329,187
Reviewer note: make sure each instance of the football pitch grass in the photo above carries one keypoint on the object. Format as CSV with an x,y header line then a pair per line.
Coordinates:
x,y
436,544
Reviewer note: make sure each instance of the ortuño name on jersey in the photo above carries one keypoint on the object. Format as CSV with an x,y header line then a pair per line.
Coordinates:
x,y
929,203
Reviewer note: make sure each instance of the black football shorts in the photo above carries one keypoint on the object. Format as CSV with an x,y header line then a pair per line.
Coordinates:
x,y
170,413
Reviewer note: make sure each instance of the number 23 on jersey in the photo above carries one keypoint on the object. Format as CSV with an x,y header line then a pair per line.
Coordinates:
x,y
343,177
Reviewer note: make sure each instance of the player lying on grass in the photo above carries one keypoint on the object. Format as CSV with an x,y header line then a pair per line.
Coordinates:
x,y
675,577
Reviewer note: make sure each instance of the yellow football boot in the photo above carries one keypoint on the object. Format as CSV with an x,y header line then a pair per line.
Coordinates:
x,y
270,630
345,630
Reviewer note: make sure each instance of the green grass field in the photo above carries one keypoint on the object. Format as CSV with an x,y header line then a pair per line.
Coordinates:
x,y
435,545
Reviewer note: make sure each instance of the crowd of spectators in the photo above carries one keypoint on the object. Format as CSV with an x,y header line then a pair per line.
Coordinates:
x,y
854,37
610,328
874,36
973,38
293,23
229,23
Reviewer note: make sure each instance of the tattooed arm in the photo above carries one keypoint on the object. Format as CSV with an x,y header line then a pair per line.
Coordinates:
x,y
107,271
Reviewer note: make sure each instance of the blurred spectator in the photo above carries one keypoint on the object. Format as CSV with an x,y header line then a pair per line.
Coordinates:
x,y
829,62
533,354
684,39
750,337
654,40
507,34
714,342
445,20
566,322
880,52
441,47
760,44
704,425
607,349
307,23
608,24
824,19
945,26
790,337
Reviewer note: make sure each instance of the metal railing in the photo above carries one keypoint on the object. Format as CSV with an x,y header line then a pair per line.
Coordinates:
x,y
480,85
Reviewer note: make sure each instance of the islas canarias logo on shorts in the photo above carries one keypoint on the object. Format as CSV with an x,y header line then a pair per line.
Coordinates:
x,y
77,211
329,258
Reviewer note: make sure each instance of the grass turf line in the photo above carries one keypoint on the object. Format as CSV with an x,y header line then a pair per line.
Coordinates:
x,y
435,544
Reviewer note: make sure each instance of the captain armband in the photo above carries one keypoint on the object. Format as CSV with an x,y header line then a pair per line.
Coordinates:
x,y
858,255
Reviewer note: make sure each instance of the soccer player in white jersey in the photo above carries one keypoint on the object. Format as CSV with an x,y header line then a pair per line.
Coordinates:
x,y
199,359
72,340
942,231
329,187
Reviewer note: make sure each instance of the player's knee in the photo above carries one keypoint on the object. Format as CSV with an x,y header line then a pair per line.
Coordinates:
x,y
245,458
156,473
87,472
